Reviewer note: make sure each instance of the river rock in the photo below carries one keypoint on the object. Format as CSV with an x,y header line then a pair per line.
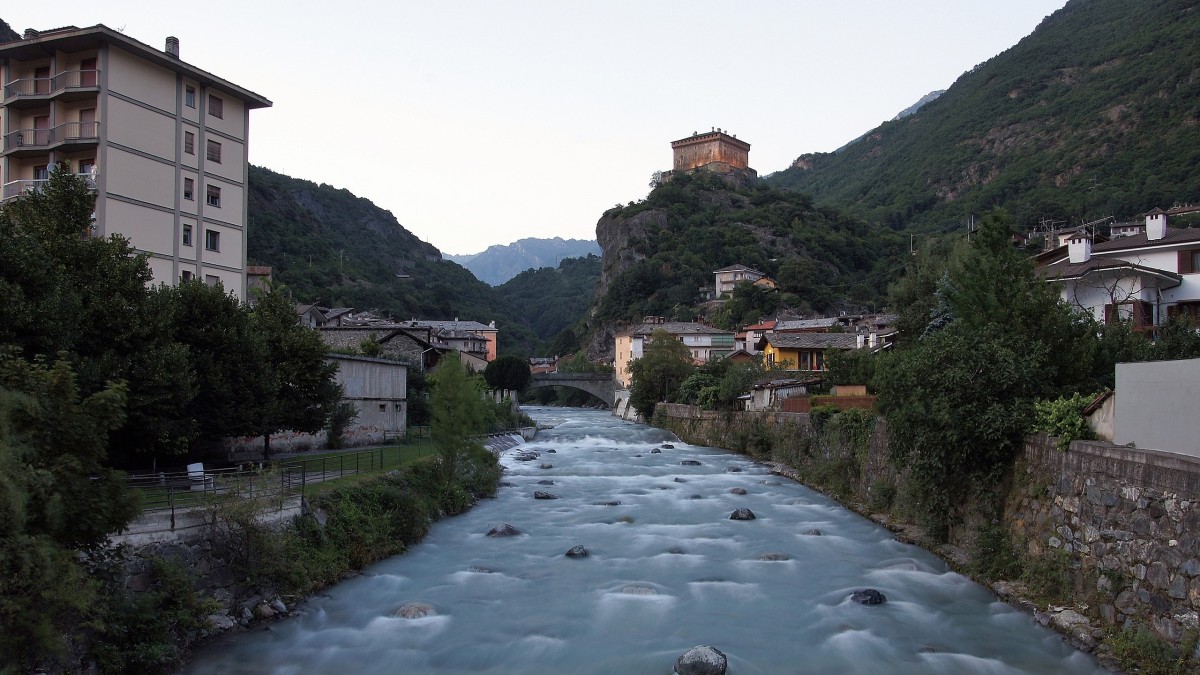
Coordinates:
x,y
538,494
525,456
702,660
814,532
577,551
264,611
771,557
505,483
668,446
742,514
546,466
868,596
679,480
610,503
690,462
656,451
278,606
737,491
552,451
504,530
218,622
695,497
733,469
414,610
638,589
545,482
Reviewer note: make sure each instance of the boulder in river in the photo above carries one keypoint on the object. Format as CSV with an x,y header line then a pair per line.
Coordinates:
x,y
504,530
414,610
546,466
737,491
577,551
742,514
538,494
814,532
690,462
552,451
638,589
772,557
668,446
525,456
733,469
656,451
679,480
546,481
702,660
868,596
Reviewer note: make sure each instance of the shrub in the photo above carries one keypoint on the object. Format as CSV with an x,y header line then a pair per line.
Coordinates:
x,y
1063,417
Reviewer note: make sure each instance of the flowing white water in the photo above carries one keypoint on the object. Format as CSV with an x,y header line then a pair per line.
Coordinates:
x,y
668,570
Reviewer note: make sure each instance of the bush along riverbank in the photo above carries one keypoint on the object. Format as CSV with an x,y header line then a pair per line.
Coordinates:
x,y
164,598
1100,543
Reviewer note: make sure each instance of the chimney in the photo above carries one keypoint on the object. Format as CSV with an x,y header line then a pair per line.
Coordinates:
x,y
1079,247
860,341
873,340
1156,225
172,46
31,34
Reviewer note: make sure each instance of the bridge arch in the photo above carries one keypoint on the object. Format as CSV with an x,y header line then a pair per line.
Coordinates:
x,y
600,385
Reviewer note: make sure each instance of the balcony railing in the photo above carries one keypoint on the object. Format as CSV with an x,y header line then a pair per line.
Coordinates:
x,y
39,139
18,188
49,86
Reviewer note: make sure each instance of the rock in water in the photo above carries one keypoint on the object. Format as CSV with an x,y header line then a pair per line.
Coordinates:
x,y
656,451
772,557
545,482
538,494
733,469
814,532
679,480
668,446
546,466
702,660
504,530
690,462
415,610
868,596
737,491
742,514
552,450
577,551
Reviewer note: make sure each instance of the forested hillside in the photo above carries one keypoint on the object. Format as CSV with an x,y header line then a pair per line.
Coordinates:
x,y
329,246
7,34
553,299
1096,113
660,253
502,262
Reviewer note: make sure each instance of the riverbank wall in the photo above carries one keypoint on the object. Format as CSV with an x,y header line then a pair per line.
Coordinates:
x,y
1104,538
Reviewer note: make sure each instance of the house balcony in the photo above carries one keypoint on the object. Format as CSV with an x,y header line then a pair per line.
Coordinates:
x,y
66,137
66,86
18,188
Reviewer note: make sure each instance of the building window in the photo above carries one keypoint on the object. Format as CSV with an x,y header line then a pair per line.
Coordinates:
x,y
1190,310
213,197
189,96
211,280
212,240
1189,261
187,235
189,143
186,276
216,106
41,172
214,152
189,189
1138,312
382,407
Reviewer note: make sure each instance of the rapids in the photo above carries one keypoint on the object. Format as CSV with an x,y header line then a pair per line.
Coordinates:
x,y
667,570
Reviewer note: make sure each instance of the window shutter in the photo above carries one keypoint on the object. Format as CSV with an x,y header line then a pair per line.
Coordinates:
x,y
1185,262
1109,314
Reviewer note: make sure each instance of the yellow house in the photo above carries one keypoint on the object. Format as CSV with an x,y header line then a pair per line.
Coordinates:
x,y
803,351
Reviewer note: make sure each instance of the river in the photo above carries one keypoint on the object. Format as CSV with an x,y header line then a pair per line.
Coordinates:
x,y
668,570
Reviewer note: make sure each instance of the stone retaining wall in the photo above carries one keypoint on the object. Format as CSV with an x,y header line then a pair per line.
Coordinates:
x,y
1128,517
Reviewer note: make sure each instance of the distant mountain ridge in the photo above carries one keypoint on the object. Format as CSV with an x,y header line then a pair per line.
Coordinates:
x,y
501,262
1093,114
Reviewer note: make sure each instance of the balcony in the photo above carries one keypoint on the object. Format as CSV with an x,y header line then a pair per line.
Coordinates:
x,y
68,85
69,136
18,188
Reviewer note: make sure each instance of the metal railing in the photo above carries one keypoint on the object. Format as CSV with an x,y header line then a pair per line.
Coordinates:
x,y
18,188
45,138
46,86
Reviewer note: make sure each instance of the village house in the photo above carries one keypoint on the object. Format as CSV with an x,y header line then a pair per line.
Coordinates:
x,y
1145,278
729,277
805,351
704,342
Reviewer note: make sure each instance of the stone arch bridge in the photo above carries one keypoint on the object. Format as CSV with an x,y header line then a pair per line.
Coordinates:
x,y
600,385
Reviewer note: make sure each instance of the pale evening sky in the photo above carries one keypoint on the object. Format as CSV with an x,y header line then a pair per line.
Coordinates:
x,y
482,122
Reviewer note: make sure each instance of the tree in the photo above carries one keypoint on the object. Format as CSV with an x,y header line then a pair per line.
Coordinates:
x,y
660,371
301,391
458,415
508,373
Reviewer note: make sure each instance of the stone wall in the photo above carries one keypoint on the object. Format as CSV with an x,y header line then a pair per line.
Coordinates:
x,y
1127,517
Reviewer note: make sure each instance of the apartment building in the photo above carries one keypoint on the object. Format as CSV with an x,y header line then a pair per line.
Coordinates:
x,y
704,342
163,143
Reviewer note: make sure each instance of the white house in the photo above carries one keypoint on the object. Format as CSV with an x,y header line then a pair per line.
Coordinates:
x,y
1147,278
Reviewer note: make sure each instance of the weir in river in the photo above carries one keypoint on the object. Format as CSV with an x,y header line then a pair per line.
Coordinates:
x,y
666,570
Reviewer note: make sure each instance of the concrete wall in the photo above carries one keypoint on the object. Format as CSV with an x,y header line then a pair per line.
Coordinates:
x,y
1156,405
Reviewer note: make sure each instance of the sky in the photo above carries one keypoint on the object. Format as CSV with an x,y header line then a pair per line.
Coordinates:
x,y
482,122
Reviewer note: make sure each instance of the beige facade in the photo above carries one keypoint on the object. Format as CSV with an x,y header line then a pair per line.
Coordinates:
x,y
704,342
162,142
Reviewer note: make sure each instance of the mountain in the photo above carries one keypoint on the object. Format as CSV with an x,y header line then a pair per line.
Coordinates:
x,y
500,263
1095,113
330,246
660,255
7,34
553,299
919,104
